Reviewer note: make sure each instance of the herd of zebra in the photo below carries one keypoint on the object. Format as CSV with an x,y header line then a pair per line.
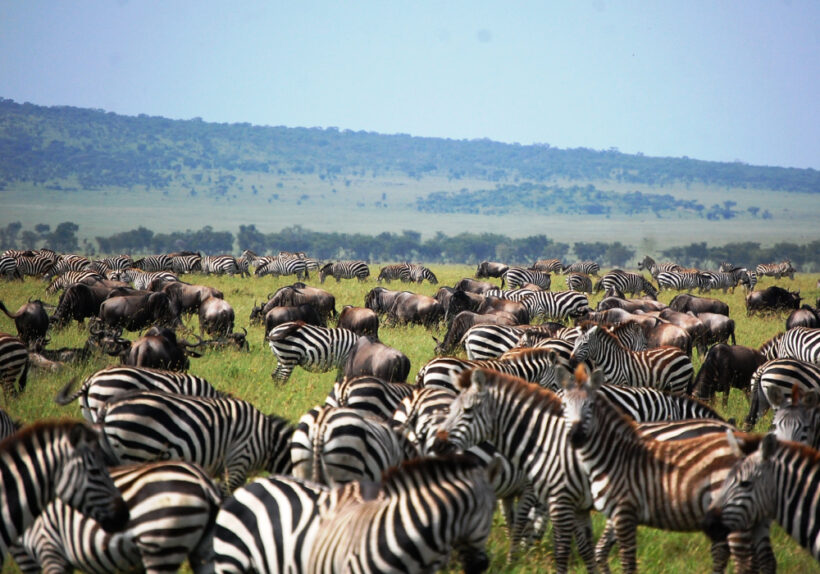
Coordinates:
x,y
552,420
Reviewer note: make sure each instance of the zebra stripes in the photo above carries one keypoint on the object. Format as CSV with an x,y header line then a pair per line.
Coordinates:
x,y
316,349
172,507
556,305
219,265
725,280
278,266
34,265
419,273
185,264
69,278
14,364
48,460
623,282
105,384
228,437
776,270
515,277
580,282
586,267
679,281
118,262
369,395
664,368
143,279
483,342
346,270
68,263
8,268
153,263
654,268
783,374
548,265
801,343
400,271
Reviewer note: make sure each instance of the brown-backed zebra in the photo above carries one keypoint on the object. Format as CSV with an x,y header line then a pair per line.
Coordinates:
x,y
345,270
776,270
172,508
48,460
579,282
679,281
69,278
14,364
775,480
556,305
783,374
219,265
665,368
316,349
228,437
623,282
516,277
654,268
548,265
587,267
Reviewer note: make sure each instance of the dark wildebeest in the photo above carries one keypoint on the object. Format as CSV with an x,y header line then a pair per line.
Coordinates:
x,y
157,349
79,301
216,317
493,305
803,317
724,367
299,294
187,297
772,299
31,321
404,306
718,329
474,286
135,312
305,313
370,357
685,302
669,335
360,320
461,324
490,269
689,323
455,301
630,305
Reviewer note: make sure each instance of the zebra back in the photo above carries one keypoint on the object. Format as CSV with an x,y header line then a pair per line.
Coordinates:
x,y
14,364
313,348
556,305
369,394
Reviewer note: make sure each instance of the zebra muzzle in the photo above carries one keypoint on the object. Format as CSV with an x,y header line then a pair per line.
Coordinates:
x,y
714,527
442,445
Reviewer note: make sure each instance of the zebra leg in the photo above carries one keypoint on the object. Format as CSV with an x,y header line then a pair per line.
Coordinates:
x,y
282,372
741,550
520,523
565,523
604,546
583,539
625,525
764,557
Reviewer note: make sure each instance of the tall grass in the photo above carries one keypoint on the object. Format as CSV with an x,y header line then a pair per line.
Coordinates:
x,y
247,375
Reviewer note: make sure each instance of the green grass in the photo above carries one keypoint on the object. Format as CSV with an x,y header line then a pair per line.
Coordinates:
x,y
247,375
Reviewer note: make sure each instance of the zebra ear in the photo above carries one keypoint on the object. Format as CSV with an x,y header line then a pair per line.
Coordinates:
x,y
810,398
768,446
776,397
733,445
478,378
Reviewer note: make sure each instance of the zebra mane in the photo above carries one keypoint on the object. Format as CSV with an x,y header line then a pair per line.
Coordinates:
x,y
427,467
518,386
25,435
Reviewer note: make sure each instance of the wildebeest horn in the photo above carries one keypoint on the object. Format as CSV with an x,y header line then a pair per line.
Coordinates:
x,y
245,331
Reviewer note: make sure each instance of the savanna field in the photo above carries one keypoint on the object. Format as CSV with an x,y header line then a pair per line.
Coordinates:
x,y
247,375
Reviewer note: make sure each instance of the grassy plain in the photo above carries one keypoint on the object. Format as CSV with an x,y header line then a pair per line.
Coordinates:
x,y
247,375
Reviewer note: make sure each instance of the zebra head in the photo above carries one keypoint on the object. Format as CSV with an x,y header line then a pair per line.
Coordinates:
x,y
83,481
470,419
580,350
798,420
748,494
578,400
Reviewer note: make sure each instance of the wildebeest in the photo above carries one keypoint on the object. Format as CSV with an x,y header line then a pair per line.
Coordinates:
x,y
31,321
772,299
216,317
461,324
370,357
188,297
404,306
631,305
718,328
455,301
135,312
685,302
473,286
669,335
279,315
298,294
803,317
360,320
79,301
689,323
724,367
517,309
159,348
490,269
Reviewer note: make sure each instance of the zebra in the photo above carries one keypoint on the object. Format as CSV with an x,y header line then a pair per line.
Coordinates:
x,y
400,271
55,459
664,368
725,280
679,281
797,417
118,262
587,267
219,265
228,437
186,263
802,343
142,280
68,263
419,273
535,365
645,404
458,502
636,479
103,385
368,394
579,282
512,294
316,349
346,270
548,265
772,480
172,506
778,373
8,426
153,263
34,265
14,364
776,270
654,268
556,305
69,278
491,341
515,277
8,268
624,282
334,445
280,266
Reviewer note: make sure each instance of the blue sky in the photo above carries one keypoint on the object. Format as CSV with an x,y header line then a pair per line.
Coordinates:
x,y
726,80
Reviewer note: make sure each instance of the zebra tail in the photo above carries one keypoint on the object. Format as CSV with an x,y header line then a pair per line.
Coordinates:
x,y
63,398
6,311
21,383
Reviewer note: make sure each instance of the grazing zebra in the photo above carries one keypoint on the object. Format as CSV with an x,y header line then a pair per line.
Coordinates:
x,y
48,460
143,279
186,263
14,364
624,282
278,266
69,278
797,417
334,445
679,281
556,305
316,349
419,273
587,267
369,394
117,380
801,343
776,270
345,270
511,294
644,404
534,365
458,502
219,265
664,368
228,437
8,426
491,341
400,271
118,262
172,508
153,263
34,265
68,263
516,277
773,480
548,265
654,268
8,268
636,479
579,282
782,373
725,280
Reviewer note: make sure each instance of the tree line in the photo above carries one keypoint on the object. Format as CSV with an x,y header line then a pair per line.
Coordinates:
x,y
469,248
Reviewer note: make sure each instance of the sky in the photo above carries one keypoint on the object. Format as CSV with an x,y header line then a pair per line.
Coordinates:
x,y
725,81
